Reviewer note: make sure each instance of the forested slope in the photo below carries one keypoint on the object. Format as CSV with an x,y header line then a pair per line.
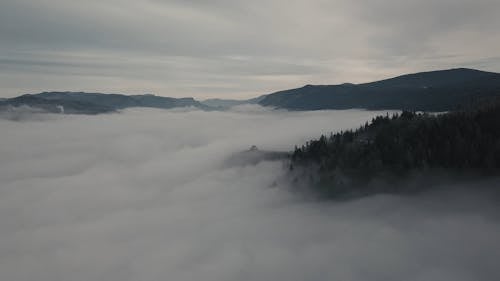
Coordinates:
x,y
390,149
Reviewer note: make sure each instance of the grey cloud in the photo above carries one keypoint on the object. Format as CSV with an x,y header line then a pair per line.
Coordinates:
x,y
422,27
287,43
145,195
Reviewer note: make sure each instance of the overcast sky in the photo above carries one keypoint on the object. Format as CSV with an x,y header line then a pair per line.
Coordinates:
x,y
235,49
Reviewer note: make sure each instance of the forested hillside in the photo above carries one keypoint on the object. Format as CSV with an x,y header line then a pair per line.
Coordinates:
x,y
392,148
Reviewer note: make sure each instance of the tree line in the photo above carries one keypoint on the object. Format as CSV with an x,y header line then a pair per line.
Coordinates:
x,y
391,147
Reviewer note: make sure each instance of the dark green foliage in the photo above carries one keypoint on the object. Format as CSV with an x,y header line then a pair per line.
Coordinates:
x,y
392,147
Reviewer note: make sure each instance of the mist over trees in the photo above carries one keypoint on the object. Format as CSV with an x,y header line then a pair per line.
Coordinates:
x,y
149,195
394,147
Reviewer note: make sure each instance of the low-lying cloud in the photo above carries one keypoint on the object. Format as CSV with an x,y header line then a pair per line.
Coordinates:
x,y
145,195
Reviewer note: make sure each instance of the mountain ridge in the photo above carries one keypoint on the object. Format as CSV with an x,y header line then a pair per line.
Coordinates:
x,y
439,90
95,103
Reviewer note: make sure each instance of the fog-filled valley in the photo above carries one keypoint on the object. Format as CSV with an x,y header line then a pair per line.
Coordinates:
x,y
148,194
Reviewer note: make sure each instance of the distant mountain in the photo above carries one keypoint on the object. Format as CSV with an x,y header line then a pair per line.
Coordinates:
x,y
427,91
228,103
54,105
95,103
118,101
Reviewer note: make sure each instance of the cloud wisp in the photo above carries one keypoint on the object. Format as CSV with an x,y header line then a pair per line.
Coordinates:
x,y
145,195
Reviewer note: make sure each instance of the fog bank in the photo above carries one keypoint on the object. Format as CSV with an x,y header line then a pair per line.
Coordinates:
x,y
147,195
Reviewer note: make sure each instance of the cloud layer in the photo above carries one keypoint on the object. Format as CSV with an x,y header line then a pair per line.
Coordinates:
x,y
145,195
235,48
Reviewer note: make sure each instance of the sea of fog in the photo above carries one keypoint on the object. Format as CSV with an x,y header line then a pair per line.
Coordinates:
x,y
146,195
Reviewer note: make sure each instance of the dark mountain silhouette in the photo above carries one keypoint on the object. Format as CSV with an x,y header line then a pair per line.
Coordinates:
x,y
55,105
95,103
427,91
228,103
118,101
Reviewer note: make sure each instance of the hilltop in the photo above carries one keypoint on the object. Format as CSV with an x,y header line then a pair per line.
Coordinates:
x,y
442,90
